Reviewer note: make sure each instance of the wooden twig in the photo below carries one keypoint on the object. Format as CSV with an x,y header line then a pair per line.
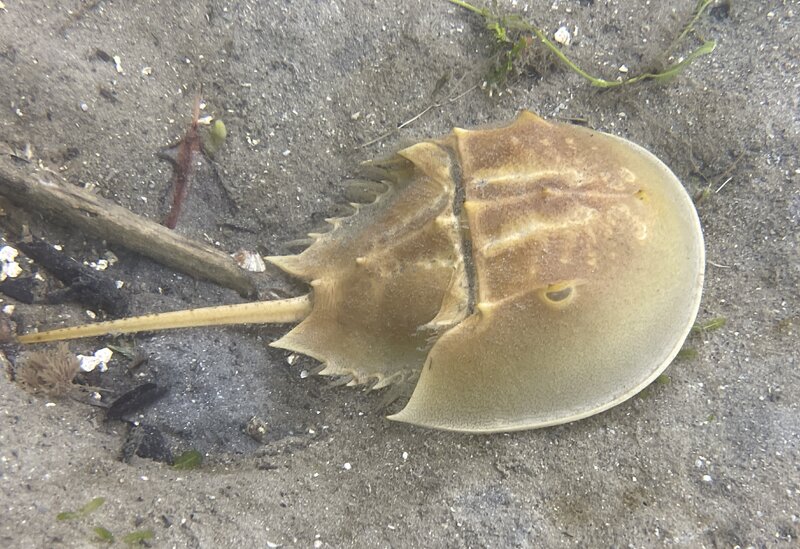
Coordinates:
x,y
47,193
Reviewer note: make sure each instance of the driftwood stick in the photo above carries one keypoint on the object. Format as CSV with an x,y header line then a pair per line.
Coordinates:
x,y
47,193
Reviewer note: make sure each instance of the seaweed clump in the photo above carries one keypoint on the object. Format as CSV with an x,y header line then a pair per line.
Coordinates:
x,y
514,36
51,371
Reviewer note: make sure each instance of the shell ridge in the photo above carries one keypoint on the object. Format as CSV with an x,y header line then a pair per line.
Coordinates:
x,y
578,297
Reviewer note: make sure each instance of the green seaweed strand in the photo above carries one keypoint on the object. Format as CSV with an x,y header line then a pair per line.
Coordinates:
x,y
501,25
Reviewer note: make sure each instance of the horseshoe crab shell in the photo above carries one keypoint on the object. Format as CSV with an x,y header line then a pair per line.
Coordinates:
x,y
517,277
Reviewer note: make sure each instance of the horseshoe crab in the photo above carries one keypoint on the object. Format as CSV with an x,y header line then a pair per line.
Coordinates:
x,y
518,276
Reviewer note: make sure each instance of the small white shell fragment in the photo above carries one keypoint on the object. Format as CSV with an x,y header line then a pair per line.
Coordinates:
x,y
104,354
88,363
99,265
205,120
119,284
100,359
8,309
623,68
291,359
118,64
347,466
304,374
147,71
562,36
91,314
8,253
250,261
10,268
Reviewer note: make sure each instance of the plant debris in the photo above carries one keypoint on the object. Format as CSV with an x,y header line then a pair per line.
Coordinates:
x,y
183,167
709,325
51,371
138,537
513,34
185,153
24,289
91,288
84,511
687,353
49,195
134,400
103,534
190,459
215,138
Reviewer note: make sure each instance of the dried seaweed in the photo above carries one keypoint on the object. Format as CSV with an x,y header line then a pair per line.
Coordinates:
x,y
183,167
50,371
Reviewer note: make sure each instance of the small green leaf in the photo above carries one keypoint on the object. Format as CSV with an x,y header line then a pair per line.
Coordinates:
x,y
673,70
687,353
663,379
709,325
191,459
137,537
67,515
92,506
103,534
216,137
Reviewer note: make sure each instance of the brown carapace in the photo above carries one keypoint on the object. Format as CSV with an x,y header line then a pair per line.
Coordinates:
x,y
516,277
